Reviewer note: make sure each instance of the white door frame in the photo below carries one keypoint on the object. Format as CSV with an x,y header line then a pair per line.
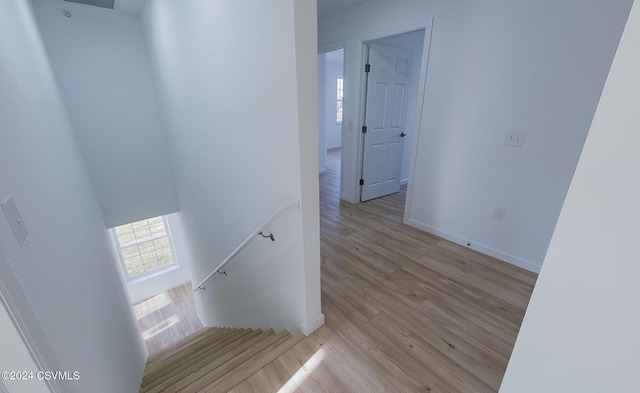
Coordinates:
x,y
353,177
13,296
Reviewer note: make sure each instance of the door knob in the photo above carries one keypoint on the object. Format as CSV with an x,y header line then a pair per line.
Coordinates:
x,y
403,134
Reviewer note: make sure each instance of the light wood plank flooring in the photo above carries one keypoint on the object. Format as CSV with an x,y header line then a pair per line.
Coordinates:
x,y
167,318
405,311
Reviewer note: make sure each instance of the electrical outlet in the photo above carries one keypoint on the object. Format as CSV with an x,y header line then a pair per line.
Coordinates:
x,y
498,213
514,138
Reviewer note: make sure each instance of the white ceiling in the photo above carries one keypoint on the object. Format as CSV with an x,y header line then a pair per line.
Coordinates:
x,y
129,6
325,7
126,6
328,7
336,56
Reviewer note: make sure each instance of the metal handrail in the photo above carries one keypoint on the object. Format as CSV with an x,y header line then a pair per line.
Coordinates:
x,y
258,231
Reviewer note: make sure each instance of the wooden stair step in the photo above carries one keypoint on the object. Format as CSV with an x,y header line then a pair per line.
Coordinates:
x,y
189,351
253,365
201,374
162,378
242,356
215,347
180,345
214,360
173,346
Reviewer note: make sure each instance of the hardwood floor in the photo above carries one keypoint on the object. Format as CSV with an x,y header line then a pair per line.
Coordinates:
x,y
405,311
167,318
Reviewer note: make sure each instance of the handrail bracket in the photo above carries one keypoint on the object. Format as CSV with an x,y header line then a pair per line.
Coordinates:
x,y
258,231
270,236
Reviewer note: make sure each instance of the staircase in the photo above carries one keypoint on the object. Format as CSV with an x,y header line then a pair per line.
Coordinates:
x,y
214,360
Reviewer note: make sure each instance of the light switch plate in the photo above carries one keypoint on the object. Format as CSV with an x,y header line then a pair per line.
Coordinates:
x,y
514,138
15,221
498,213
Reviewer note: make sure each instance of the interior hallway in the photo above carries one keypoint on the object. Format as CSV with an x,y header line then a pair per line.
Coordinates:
x,y
405,311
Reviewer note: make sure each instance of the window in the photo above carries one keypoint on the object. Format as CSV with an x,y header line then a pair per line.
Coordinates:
x,y
339,100
144,246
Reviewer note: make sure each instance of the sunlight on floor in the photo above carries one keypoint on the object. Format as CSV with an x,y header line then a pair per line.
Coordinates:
x,y
303,372
151,305
159,328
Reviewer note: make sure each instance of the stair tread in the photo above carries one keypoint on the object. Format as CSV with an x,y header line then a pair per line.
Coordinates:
x,y
215,361
253,365
189,351
173,373
193,377
200,334
203,378
173,346
176,364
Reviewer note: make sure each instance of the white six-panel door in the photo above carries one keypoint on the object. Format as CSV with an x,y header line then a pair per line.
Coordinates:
x,y
385,120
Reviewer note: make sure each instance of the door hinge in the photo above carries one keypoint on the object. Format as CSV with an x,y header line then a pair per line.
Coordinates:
x,y
362,182
364,129
367,68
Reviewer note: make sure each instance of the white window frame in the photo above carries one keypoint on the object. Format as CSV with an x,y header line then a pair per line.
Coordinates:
x,y
153,273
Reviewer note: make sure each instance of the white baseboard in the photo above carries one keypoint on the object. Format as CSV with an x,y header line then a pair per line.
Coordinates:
x,y
347,198
512,259
311,326
404,181
323,170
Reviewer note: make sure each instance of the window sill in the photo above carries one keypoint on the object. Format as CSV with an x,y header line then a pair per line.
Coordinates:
x,y
153,274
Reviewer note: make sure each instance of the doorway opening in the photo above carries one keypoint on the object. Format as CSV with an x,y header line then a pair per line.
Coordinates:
x,y
390,112
331,87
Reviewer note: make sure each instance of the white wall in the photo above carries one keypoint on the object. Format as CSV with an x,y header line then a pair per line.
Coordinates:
x,y
102,66
238,147
333,130
67,267
414,42
306,35
580,333
493,66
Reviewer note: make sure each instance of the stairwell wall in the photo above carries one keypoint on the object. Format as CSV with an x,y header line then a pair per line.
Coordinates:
x,y
66,268
102,66
226,74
